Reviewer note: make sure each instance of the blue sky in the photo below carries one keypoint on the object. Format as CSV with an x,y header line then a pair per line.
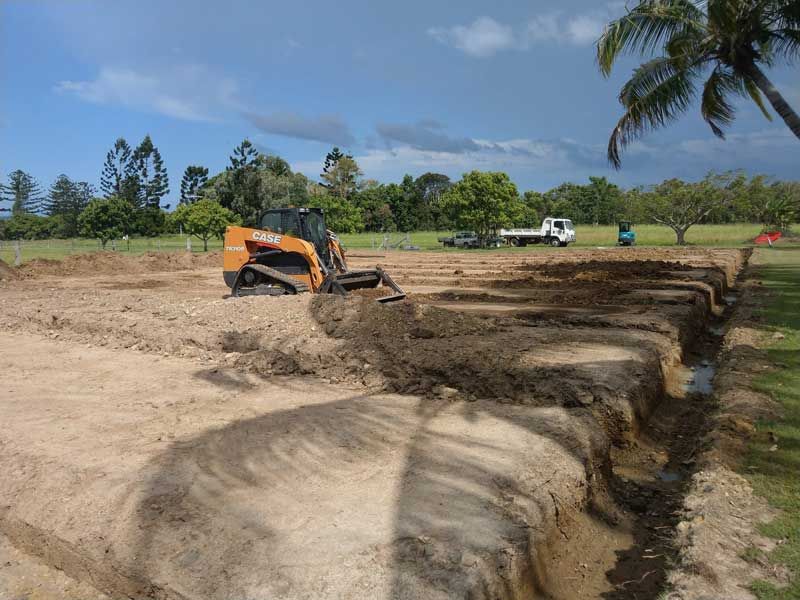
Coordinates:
x,y
406,87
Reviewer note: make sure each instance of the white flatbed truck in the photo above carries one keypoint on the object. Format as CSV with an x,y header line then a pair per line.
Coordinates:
x,y
554,231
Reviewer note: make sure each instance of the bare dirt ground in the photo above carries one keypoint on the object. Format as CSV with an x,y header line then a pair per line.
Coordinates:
x,y
490,436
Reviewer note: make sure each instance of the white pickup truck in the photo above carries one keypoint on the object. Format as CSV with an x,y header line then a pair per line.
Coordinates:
x,y
554,231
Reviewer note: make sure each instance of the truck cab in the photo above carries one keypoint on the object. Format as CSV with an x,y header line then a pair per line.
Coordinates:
x,y
557,231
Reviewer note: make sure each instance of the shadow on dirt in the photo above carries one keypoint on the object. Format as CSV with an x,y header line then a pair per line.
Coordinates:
x,y
474,485
441,498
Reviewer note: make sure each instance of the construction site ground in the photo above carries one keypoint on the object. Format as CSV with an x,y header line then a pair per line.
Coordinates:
x,y
520,426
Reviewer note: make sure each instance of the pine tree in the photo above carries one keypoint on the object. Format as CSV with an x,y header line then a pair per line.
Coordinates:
x,y
342,180
243,155
194,178
332,159
151,176
67,199
117,168
158,186
86,192
58,198
23,192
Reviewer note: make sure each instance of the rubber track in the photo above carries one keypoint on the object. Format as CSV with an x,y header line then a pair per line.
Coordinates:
x,y
299,287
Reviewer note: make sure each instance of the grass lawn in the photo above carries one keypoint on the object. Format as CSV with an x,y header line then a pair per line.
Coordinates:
x,y
776,475
588,236
60,248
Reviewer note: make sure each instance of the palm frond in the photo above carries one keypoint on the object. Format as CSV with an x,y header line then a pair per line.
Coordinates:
x,y
647,27
786,42
784,13
755,94
717,111
724,14
658,92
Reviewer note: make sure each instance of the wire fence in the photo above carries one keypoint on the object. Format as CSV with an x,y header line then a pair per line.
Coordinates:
x,y
18,251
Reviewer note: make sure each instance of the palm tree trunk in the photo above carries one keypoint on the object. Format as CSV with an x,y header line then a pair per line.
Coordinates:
x,y
791,118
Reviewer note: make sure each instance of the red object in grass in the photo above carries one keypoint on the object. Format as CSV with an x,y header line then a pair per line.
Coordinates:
x,y
768,237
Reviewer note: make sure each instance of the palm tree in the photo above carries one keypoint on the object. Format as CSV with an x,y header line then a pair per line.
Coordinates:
x,y
727,40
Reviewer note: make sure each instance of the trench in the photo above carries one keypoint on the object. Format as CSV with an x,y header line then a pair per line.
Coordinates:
x,y
630,546
621,546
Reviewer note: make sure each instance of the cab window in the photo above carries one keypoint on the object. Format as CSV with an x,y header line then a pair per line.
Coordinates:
x,y
283,222
558,224
316,230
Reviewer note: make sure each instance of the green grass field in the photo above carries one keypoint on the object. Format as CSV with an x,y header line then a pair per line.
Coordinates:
x,y
776,474
588,236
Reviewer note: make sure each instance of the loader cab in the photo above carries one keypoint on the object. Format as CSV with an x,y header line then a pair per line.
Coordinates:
x,y
626,236
305,223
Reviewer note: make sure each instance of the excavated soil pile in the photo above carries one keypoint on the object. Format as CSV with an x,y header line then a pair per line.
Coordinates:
x,y
422,349
6,272
465,271
110,263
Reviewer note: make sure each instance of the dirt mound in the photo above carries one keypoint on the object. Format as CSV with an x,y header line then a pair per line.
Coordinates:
x,y
601,270
6,272
109,263
415,348
359,317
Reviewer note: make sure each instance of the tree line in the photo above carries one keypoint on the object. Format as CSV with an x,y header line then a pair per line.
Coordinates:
x,y
134,182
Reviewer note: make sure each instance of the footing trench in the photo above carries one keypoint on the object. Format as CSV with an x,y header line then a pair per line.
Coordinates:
x,y
519,429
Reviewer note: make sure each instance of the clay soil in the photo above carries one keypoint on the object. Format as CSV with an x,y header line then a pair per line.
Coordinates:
x,y
501,433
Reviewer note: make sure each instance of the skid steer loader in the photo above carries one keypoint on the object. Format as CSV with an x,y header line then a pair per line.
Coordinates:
x,y
293,252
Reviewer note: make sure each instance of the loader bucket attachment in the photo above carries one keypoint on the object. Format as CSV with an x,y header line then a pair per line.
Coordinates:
x,y
342,283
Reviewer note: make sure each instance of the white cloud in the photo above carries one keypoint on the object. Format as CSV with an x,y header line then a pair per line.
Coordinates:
x,y
771,151
188,92
579,30
584,29
562,157
544,28
483,37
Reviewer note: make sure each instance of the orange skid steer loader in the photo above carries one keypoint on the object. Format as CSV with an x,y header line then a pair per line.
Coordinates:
x,y
293,252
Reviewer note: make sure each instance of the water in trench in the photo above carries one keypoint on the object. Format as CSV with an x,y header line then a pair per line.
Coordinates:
x,y
649,482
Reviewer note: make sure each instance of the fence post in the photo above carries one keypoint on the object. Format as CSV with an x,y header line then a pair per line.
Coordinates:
x,y
113,245
72,245
158,245
189,243
17,253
